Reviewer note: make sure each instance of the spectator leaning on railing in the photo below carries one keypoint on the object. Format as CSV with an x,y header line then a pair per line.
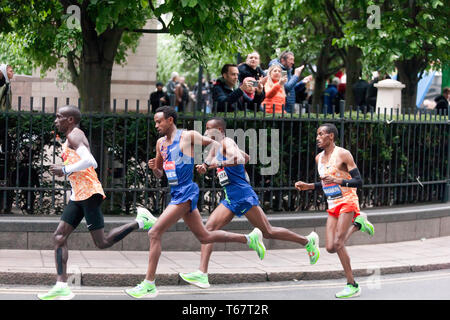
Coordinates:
x,y
274,88
225,95
286,61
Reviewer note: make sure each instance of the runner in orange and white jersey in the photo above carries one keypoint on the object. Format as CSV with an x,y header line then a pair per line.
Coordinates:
x,y
340,178
85,201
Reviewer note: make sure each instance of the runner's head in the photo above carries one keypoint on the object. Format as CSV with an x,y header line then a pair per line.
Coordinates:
x,y
215,129
67,118
327,134
165,118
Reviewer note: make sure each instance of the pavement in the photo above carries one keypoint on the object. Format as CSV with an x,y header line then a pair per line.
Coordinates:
x,y
127,268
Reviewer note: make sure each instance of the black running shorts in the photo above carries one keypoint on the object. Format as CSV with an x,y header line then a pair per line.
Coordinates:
x,y
90,209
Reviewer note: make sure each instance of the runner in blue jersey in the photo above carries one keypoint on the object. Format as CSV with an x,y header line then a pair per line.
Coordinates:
x,y
240,199
175,158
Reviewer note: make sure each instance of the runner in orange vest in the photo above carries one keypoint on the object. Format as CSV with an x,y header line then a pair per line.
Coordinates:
x,y
340,178
85,201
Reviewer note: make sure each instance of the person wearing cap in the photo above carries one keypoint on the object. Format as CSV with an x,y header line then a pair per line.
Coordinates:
x,y
6,74
159,98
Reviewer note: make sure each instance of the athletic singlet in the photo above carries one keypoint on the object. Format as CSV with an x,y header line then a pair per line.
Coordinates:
x,y
335,193
84,183
179,168
234,179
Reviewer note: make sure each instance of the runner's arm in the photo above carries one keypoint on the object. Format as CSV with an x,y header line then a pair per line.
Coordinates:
x,y
86,158
356,180
156,164
234,155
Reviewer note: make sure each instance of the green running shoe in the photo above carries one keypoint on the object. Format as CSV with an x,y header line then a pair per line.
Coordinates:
x,y
256,242
143,290
146,217
366,226
313,247
196,278
349,291
57,293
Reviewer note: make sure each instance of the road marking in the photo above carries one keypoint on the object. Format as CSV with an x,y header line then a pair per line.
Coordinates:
x,y
177,290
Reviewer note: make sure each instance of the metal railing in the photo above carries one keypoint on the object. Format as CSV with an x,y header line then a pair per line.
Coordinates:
x,y
403,158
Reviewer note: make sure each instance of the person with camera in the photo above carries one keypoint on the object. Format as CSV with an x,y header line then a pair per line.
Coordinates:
x,y
275,99
251,68
227,97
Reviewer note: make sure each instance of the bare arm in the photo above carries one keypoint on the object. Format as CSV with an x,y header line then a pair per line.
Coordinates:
x,y
349,162
156,164
233,154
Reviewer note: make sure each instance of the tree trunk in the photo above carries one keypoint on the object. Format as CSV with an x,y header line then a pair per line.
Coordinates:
x,y
408,74
353,69
92,77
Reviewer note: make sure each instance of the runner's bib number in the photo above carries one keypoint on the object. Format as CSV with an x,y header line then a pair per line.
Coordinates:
x,y
223,177
169,168
332,191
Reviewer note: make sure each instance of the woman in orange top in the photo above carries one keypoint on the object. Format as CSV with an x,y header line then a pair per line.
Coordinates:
x,y
274,88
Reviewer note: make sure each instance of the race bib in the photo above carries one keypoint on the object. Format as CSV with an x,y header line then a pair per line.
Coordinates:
x,y
332,191
223,177
169,168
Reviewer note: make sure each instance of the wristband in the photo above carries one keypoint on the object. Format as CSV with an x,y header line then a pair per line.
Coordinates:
x,y
64,170
317,185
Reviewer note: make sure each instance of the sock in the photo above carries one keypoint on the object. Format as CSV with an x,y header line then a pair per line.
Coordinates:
x,y
357,224
202,273
60,284
140,223
248,238
353,284
149,282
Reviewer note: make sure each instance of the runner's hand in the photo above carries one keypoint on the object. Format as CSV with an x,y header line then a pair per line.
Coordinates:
x,y
56,169
302,186
152,164
201,168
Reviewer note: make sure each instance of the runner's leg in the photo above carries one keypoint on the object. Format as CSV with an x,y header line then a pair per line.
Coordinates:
x,y
258,219
343,225
219,218
61,251
169,217
195,223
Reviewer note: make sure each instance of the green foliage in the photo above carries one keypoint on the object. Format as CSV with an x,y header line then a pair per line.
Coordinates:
x,y
172,57
11,52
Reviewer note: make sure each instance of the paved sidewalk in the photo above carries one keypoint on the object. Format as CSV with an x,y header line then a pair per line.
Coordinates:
x,y
127,268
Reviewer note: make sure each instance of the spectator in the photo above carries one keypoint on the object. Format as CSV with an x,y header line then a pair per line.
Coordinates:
x,y
159,98
442,101
251,68
226,96
171,85
330,94
274,88
286,61
181,95
205,92
6,74
360,92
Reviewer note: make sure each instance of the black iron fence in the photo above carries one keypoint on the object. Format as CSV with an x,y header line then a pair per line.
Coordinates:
x,y
403,158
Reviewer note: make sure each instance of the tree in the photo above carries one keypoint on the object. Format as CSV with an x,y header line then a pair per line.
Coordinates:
x,y
302,27
413,36
92,35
